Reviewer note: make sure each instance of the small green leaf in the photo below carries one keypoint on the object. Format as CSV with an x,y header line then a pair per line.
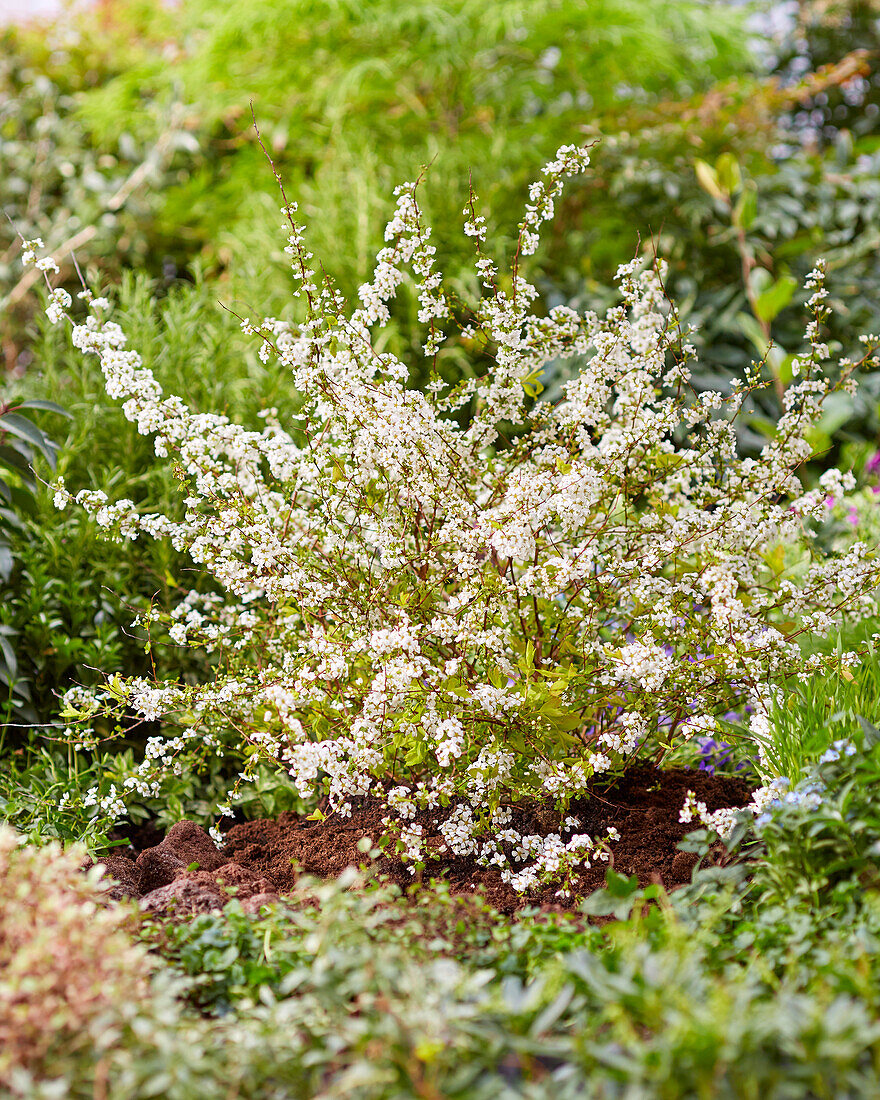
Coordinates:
x,y
49,406
23,428
746,209
708,179
728,173
872,734
773,300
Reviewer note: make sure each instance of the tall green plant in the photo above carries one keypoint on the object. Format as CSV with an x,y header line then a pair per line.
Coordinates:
x,y
350,95
21,440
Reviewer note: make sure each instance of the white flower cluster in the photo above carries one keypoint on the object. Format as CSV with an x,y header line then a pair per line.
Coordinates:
x,y
554,859
29,256
404,602
526,860
773,795
111,805
720,821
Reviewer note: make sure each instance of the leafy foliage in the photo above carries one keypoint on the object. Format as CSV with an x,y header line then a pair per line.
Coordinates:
x,y
354,990
58,186
62,601
64,962
760,978
21,440
332,85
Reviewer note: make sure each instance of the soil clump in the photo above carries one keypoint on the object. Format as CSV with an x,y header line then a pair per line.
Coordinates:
x,y
187,873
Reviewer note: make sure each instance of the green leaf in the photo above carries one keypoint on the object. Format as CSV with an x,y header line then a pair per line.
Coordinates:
x,y
708,179
9,658
416,754
746,209
568,722
775,558
666,461
548,1017
728,173
773,300
753,331
6,561
760,280
11,518
621,886
837,409
21,499
49,406
27,430
872,734
15,460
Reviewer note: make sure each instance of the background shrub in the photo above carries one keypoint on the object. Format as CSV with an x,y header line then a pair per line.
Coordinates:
x,y
71,980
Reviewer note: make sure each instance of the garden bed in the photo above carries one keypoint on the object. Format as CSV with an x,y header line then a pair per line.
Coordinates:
x,y
262,859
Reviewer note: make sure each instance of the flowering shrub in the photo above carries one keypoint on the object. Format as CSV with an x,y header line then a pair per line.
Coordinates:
x,y
468,595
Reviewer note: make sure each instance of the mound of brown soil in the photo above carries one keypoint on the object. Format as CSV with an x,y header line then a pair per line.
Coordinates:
x,y
261,859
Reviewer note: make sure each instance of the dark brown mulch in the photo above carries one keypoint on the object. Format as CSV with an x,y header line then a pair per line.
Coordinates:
x,y
261,859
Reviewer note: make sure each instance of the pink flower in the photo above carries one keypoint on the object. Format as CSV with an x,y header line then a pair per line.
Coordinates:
x,y
853,516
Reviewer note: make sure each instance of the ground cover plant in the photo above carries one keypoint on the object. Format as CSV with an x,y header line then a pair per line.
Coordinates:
x,y
730,987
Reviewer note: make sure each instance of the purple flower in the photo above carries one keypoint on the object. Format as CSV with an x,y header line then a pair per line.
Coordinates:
x,y
713,754
716,755
873,463
853,516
